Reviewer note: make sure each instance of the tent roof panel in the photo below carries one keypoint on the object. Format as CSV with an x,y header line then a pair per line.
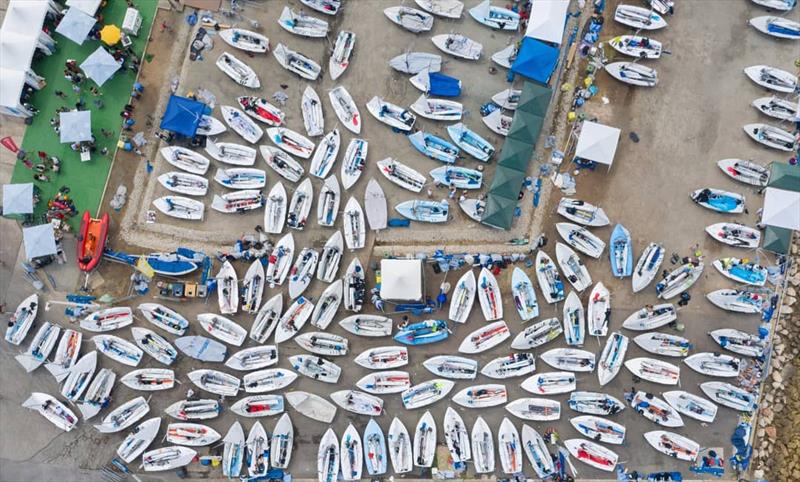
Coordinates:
x,y
784,176
597,142
401,279
547,20
781,208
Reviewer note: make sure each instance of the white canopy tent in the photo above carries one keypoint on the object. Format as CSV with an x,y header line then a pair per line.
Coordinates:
x,y
88,6
100,66
76,126
401,279
547,20
598,143
26,17
76,25
39,241
18,198
11,84
781,208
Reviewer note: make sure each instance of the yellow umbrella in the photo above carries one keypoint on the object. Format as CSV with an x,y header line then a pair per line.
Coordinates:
x,y
110,34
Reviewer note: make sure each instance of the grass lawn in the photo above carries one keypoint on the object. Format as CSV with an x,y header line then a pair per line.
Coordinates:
x,y
86,180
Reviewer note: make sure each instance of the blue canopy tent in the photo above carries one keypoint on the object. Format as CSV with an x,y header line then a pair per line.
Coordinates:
x,y
443,85
536,60
182,116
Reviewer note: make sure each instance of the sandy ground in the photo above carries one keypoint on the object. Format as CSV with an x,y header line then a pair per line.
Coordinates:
x,y
692,119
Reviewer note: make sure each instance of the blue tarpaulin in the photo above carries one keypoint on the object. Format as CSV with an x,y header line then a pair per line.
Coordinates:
x,y
182,116
443,85
536,60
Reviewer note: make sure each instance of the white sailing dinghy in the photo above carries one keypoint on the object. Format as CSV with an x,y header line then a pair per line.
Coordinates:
x,y
330,258
240,72
342,51
257,451
267,319
358,402
679,280
537,409
570,359
290,141
43,343
66,354
572,267
458,45
108,319
328,7
325,155
227,289
98,395
463,298
281,443
599,429
581,239
191,434
296,62
253,287
594,403
355,234
424,446
139,439
367,325
222,328
426,393
473,208
632,73
124,416
772,78
549,280
506,57
322,343
482,447
118,349
400,447
598,310
636,46
489,296
714,364
771,136
282,163
438,109
261,110
233,451
592,454
744,171
509,446
390,114
663,344
301,24
354,161
351,454
582,212
328,202
316,368
241,124
537,334
550,383
508,366
524,295
411,19
149,379
184,183
507,99
485,338
186,159
691,405
612,357
673,444
275,209
416,62
238,201
537,452
739,300
574,320
293,320
209,126
442,8
653,370
775,107
268,380
495,17
230,153
639,18
167,458
383,357
422,81
302,272
202,409
375,206
470,142
300,205
456,437
651,317
498,122
449,366
355,287
740,342
246,40
154,345
401,174
52,409
345,108
312,406
730,396
254,358
647,267
311,107
385,382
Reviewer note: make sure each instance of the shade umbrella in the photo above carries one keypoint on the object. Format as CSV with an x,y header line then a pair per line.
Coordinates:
x,y
111,34
39,241
18,198
100,66
76,25
76,126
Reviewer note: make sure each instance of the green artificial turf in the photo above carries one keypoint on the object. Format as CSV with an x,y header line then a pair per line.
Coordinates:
x,y
86,180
